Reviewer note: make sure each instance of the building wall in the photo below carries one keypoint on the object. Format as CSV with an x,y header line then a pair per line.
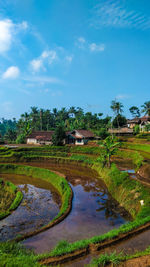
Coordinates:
x,y
79,143
31,141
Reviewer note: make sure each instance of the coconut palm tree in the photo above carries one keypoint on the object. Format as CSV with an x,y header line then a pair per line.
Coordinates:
x,y
117,108
146,108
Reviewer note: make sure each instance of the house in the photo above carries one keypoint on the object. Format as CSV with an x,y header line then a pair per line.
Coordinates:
x,y
124,131
79,137
145,120
133,122
142,122
40,138
76,137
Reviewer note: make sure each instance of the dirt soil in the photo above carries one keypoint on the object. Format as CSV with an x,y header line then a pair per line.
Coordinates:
x,y
143,261
144,171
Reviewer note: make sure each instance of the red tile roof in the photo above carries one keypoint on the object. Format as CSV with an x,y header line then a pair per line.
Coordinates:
x,y
41,135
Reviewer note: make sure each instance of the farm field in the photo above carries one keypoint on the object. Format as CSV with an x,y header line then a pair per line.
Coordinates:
x,y
73,210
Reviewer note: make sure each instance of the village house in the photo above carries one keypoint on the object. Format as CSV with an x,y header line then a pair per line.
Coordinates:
x,y
142,122
76,137
145,120
124,131
133,122
79,137
40,138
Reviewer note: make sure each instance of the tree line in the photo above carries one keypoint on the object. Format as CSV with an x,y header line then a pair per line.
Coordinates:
x,y
69,119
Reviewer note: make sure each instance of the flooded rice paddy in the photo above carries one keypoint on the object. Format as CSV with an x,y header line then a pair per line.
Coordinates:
x,y
94,212
40,205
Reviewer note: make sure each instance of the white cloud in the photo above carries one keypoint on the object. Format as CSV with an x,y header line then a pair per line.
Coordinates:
x,y
97,47
81,42
8,30
122,96
116,14
24,25
38,64
6,27
93,47
69,59
42,79
11,73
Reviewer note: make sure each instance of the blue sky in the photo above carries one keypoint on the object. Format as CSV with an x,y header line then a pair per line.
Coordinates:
x,y
62,53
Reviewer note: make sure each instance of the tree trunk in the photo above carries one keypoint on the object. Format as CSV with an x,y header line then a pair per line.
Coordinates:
x,y
109,161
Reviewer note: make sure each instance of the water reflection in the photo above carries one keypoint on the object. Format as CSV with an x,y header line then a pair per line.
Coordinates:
x,y
38,207
94,211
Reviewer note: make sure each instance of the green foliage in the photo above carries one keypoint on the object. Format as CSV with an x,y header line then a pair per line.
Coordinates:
x,y
102,133
146,108
10,135
15,255
109,147
82,158
5,125
136,129
134,111
119,121
21,139
147,127
105,259
116,259
17,200
58,136
136,157
10,198
138,147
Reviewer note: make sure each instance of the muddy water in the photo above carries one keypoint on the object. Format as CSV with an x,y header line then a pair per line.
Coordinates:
x,y
132,245
93,212
40,205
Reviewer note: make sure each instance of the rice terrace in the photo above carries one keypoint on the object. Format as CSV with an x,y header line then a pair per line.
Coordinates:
x,y
74,208
75,133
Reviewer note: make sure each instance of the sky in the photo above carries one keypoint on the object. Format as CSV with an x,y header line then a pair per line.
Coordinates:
x,y
82,53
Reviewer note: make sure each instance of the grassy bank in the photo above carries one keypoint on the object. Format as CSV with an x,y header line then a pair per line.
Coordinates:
x,y
13,254
116,259
10,198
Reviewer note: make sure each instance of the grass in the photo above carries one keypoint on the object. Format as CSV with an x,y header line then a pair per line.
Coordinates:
x,y
138,147
136,157
15,255
10,198
105,259
115,259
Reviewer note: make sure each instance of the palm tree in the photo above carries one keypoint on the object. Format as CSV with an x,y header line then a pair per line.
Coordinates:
x,y
135,112
109,147
117,108
146,108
